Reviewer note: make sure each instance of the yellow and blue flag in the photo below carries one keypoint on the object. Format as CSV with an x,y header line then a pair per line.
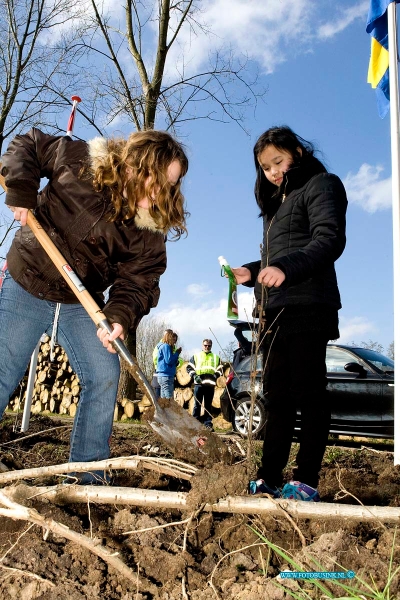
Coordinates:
x,y
378,71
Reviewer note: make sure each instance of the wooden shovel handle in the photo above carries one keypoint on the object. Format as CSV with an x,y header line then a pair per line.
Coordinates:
x,y
85,298
91,307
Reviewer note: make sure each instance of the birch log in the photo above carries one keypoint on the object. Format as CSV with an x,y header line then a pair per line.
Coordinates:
x,y
230,504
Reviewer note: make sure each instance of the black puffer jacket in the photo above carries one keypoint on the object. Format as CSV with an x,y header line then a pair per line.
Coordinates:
x,y
128,256
304,238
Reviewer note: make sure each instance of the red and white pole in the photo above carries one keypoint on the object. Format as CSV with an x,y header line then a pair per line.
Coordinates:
x,y
34,358
71,120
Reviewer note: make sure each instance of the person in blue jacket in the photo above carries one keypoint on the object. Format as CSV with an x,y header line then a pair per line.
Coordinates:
x,y
154,382
167,361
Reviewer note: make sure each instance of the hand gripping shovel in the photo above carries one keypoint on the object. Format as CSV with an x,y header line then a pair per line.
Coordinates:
x,y
182,433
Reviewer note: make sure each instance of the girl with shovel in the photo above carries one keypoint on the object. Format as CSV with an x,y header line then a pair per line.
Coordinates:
x,y
108,206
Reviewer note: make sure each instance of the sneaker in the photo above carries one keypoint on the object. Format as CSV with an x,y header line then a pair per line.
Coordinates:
x,y
209,426
295,490
260,487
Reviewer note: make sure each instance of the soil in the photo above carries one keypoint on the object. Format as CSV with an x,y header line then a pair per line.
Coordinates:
x,y
213,556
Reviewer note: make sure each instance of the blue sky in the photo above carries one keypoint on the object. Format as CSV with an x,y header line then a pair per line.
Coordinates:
x,y
313,58
316,85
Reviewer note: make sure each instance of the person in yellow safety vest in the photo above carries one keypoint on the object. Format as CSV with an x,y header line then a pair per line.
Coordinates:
x,y
204,368
154,382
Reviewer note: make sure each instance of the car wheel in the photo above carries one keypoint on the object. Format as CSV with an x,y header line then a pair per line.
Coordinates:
x,y
241,417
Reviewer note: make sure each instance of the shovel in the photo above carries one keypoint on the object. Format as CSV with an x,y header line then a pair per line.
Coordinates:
x,y
181,432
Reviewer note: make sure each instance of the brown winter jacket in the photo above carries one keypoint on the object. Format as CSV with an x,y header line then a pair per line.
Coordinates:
x,y
129,256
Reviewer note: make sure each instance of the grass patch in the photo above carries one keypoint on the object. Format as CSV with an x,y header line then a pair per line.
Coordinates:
x,y
333,454
359,590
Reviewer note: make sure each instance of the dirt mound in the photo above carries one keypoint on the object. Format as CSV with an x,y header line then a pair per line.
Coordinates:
x,y
176,554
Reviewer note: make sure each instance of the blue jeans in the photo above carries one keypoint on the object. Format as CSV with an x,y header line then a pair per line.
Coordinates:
x,y
23,319
166,386
156,386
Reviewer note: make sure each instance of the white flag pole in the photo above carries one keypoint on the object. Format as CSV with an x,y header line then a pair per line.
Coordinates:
x,y
395,150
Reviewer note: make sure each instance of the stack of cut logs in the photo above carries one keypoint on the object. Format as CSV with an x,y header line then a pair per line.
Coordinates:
x,y
56,389
183,394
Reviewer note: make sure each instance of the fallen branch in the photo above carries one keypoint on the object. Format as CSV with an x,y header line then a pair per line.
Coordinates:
x,y
293,524
210,581
28,574
16,511
164,526
242,452
16,542
193,516
63,494
344,492
166,466
25,437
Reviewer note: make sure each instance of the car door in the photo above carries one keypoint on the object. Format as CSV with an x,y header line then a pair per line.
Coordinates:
x,y
388,403
356,400
243,372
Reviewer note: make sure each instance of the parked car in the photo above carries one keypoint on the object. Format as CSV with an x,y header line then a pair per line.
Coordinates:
x,y
361,387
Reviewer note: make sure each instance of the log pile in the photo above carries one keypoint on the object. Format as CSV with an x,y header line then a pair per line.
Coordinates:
x,y
57,389
184,395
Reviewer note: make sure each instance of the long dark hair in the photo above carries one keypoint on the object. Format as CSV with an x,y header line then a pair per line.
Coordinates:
x,y
282,138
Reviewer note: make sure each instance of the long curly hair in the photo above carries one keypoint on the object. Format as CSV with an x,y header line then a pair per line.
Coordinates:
x,y
148,154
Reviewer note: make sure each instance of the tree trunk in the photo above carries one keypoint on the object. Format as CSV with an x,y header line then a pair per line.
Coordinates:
x,y
127,385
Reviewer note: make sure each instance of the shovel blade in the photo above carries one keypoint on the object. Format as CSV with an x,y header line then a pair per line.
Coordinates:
x,y
183,434
187,438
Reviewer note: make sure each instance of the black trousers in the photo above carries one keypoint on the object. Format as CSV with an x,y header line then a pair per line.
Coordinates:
x,y
206,393
295,377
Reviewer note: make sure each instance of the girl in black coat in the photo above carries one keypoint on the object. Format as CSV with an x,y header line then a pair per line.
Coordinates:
x,y
303,208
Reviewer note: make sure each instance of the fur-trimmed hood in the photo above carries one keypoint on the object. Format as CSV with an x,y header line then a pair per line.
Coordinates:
x,y
98,154
144,220
98,151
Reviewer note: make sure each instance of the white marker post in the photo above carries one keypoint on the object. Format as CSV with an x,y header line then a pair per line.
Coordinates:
x,y
33,364
394,139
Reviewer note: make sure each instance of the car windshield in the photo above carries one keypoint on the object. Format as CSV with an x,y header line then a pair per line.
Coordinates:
x,y
380,362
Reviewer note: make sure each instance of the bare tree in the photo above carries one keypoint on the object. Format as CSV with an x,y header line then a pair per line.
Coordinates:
x,y
148,334
37,61
135,81
6,226
226,353
370,345
390,350
38,69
